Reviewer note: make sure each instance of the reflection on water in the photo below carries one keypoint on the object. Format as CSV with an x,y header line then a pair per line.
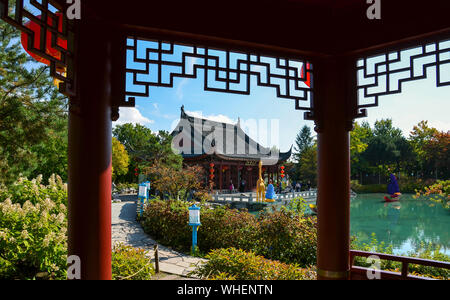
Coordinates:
x,y
403,224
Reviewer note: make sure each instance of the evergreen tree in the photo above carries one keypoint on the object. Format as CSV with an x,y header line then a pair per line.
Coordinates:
x,y
303,141
33,116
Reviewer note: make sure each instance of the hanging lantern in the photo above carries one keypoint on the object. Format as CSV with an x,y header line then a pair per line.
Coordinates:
x,y
306,76
49,50
211,165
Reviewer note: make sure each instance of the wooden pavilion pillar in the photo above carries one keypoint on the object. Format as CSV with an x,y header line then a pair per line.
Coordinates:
x,y
332,80
89,155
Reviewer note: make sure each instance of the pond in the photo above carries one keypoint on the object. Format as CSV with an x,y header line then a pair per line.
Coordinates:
x,y
403,224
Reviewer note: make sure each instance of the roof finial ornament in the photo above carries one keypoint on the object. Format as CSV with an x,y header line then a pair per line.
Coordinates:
x,y
239,122
183,114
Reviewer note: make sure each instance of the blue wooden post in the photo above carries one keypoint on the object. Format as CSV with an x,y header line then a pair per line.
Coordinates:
x,y
194,221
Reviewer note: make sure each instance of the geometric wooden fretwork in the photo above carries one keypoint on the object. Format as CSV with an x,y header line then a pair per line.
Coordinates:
x,y
385,73
38,12
157,63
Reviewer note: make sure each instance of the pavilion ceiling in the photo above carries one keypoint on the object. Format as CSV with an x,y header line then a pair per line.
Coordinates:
x,y
328,27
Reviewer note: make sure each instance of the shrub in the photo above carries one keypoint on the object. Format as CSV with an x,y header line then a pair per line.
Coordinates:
x,y
130,263
288,237
232,263
282,235
370,188
34,191
438,192
33,227
223,227
167,222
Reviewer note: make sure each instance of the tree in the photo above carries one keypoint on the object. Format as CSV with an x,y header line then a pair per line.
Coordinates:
x,y
173,182
359,140
32,113
420,136
308,166
303,141
382,147
146,148
120,159
437,152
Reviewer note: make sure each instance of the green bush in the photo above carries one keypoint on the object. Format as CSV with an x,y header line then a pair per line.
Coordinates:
x,y
167,222
438,192
130,263
33,230
282,235
223,227
287,237
33,234
232,263
370,188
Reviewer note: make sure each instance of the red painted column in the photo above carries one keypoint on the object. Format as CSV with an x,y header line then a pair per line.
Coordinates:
x,y
331,102
89,156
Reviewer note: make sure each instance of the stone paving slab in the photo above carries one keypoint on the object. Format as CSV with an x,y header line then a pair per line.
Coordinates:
x,y
125,229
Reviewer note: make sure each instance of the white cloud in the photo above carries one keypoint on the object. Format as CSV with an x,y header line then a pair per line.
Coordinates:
x,y
217,118
439,125
132,115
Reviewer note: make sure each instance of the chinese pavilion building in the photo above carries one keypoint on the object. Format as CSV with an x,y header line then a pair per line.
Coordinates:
x,y
226,152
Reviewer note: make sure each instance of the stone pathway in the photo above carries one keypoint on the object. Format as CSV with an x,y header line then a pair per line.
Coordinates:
x,y
127,230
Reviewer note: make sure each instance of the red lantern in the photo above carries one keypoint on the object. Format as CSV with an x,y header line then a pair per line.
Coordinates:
x,y
282,175
211,165
136,174
36,28
282,167
306,76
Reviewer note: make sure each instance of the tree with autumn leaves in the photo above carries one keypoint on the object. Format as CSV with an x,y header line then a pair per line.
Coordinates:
x,y
180,184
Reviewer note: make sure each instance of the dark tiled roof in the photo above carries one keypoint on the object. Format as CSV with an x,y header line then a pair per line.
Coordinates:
x,y
236,144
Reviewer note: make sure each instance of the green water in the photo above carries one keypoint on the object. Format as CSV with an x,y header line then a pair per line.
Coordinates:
x,y
403,224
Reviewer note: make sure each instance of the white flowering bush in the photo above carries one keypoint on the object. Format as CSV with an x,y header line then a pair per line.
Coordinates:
x,y
33,229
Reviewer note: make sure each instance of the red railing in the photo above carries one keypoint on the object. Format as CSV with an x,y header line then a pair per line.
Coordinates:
x,y
360,273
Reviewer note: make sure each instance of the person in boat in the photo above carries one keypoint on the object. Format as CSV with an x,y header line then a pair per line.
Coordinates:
x,y
270,192
393,188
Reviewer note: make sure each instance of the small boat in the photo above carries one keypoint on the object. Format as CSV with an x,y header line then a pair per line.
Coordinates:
x,y
392,189
392,198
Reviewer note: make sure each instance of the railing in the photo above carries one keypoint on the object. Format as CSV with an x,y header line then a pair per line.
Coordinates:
x,y
360,273
251,197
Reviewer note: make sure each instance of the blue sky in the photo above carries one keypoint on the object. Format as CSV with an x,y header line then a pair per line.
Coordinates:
x,y
420,100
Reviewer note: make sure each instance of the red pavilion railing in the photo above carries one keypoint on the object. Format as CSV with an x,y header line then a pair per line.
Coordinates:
x,y
360,273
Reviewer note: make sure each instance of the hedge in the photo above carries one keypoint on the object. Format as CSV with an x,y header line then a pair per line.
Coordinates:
x,y
280,235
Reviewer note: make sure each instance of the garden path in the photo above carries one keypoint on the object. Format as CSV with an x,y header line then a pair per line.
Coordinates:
x,y
127,230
